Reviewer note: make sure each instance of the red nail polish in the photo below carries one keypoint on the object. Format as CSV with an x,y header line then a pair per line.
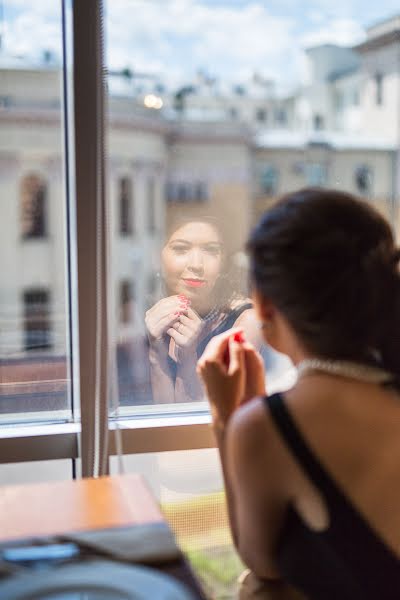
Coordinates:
x,y
239,337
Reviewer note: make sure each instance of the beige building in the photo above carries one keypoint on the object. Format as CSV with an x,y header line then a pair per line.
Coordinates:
x,y
336,160
342,129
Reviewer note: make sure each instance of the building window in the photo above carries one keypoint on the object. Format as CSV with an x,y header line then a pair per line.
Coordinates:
x,y
126,298
379,89
318,122
125,206
200,192
33,207
233,113
280,116
363,179
151,205
269,180
185,192
316,174
261,115
37,327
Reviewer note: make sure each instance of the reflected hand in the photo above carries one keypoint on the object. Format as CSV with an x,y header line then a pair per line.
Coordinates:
x,y
160,317
185,331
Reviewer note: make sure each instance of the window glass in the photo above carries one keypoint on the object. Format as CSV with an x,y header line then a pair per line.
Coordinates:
x,y
34,321
212,132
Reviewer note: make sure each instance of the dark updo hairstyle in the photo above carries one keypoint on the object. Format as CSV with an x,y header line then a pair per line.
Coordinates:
x,y
328,262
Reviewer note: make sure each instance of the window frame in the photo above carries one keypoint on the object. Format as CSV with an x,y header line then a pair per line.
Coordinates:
x,y
85,179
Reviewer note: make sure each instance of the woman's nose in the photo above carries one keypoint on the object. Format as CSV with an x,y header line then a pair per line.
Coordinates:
x,y
195,262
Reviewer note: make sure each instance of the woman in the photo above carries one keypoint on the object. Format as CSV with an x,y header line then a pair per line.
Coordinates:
x,y
312,475
198,304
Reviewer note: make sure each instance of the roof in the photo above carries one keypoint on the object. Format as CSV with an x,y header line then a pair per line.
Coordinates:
x,y
285,139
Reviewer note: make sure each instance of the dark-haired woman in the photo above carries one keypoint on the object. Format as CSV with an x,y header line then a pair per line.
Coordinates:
x,y
196,306
312,475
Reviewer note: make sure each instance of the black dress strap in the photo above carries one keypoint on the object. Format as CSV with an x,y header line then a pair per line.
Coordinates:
x,y
299,448
228,322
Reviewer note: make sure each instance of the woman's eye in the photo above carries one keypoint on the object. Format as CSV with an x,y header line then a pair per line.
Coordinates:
x,y
179,249
214,250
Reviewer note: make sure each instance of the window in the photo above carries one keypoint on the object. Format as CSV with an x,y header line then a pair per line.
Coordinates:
x,y
261,115
200,192
187,192
280,116
125,206
363,179
269,179
316,174
126,299
151,205
35,308
318,122
234,113
214,159
37,326
33,207
378,89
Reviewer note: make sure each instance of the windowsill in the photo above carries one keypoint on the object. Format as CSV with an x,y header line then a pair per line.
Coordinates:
x,y
157,433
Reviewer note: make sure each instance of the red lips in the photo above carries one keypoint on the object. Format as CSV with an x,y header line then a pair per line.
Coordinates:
x,y
195,282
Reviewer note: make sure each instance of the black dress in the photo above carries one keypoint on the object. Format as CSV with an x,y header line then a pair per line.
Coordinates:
x,y
347,561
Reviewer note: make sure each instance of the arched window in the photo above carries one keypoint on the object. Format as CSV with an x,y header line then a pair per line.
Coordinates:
x,y
33,207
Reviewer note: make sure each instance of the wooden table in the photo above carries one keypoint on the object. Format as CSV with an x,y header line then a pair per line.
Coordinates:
x,y
60,507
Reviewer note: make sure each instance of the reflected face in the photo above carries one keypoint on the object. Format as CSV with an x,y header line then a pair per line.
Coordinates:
x,y
192,260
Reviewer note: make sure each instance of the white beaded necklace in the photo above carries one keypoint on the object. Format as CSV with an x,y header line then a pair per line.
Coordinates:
x,y
343,368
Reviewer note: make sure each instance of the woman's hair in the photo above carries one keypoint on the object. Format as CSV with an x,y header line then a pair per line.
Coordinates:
x,y
328,262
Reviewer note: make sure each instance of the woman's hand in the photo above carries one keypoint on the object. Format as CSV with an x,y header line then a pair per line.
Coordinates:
x,y
232,372
185,331
160,317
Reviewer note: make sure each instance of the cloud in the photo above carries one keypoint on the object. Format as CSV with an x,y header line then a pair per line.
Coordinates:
x,y
344,32
172,39
224,40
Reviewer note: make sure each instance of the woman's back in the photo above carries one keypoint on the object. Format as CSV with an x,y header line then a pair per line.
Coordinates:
x,y
349,513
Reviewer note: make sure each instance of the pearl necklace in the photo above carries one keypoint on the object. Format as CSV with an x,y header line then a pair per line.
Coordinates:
x,y
343,368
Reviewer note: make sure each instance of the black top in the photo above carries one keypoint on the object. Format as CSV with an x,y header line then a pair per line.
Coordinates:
x,y
346,561
227,322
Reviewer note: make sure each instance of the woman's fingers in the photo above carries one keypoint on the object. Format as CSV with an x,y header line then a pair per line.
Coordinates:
x,y
191,314
217,346
236,356
179,338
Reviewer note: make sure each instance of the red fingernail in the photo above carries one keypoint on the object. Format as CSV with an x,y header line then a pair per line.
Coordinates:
x,y
239,337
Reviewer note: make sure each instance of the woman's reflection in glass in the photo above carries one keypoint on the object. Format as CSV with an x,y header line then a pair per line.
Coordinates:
x,y
199,301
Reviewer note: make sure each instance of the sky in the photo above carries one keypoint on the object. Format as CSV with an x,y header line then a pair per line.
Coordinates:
x,y
175,39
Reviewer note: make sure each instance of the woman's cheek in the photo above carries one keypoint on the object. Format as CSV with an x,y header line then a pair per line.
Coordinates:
x,y
214,271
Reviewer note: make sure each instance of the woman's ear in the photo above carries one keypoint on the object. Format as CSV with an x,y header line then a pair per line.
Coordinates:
x,y
265,310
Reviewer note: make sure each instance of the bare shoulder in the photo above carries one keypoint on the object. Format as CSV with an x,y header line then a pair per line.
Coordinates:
x,y
249,322
251,431
257,450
